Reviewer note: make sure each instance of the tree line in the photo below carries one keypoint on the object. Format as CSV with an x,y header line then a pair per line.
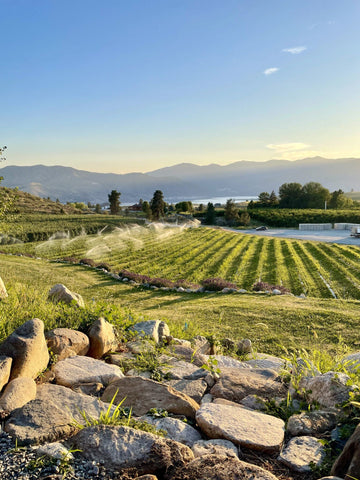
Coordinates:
x,y
310,195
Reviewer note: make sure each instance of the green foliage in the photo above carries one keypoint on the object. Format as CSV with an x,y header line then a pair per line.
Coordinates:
x,y
212,366
114,200
146,209
158,413
210,215
185,206
231,211
157,205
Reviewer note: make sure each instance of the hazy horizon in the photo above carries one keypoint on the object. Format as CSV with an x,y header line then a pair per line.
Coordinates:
x,y
123,87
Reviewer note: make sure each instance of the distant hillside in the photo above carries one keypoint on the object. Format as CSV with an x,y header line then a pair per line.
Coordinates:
x,y
28,203
353,195
183,181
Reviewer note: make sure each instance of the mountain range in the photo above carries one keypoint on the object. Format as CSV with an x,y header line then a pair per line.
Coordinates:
x,y
183,181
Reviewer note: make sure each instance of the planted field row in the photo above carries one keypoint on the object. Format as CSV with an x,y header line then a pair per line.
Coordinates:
x,y
313,268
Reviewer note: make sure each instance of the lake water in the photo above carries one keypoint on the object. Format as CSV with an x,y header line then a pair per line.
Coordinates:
x,y
223,200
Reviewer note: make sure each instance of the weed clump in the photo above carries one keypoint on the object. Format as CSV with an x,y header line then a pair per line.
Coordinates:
x,y
217,284
267,287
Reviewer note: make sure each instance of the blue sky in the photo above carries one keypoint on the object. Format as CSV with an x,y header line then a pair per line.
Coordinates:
x,y
121,85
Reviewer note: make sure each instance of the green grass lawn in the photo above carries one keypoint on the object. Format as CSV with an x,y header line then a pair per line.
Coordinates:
x,y
269,321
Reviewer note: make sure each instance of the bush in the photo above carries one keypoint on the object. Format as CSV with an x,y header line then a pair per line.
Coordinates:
x,y
263,287
161,282
70,260
185,284
87,261
104,266
136,277
217,284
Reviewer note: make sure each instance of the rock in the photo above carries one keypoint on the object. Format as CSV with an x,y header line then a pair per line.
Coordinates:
x,y
207,398
143,394
201,345
331,478
27,348
60,293
120,447
310,423
17,393
74,403
236,384
154,329
65,342
139,373
77,370
39,421
5,370
122,360
276,291
244,346
55,450
3,292
329,389
194,389
219,467
224,362
254,402
102,338
300,452
178,369
140,346
87,388
176,429
147,477
347,465
215,447
262,360
241,426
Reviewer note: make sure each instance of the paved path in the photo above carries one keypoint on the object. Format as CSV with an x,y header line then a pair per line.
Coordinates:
x,y
329,236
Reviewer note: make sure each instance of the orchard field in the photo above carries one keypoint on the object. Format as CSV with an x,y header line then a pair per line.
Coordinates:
x,y
316,269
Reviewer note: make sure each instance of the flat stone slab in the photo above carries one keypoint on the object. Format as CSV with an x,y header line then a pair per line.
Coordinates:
x,y
236,384
123,447
176,429
216,446
309,423
219,467
300,452
241,426
79,369
194,389
143,394
263,360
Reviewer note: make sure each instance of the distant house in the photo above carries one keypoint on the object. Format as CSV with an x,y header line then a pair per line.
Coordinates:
x,y
135,208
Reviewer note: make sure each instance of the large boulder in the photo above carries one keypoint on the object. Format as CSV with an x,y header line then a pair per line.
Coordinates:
x,y
60,293
241,426
65,342
5,370
347,465
142,394
3,292
302,452
219,467
77,370
236,384
154,329
329,389
102,338
27,348
17,393
124,448
310,423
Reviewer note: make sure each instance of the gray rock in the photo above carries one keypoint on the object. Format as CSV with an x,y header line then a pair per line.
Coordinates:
x,y
5,370
244,346
201,345
60,293
241,426
236,384
194,389
154,329
87,388
300,452
65,342
17,393
254,402
219,467
55,450
28,350
224,362
310,423
178,369
143,394
329,389
102,337
262,360
39,421
3,292
176,429
122,360
124,447
140,346
77,370
215,447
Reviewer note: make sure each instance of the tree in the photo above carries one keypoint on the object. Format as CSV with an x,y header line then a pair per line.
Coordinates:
x,y
264,199
273,199
146,209
157,205
245,219
210,215
291,195
98,208
231,212
114,201
184,207
201,208
314,195
339,200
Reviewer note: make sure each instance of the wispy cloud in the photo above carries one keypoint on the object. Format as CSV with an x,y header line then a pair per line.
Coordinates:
x,y
287,147
270,71
295,50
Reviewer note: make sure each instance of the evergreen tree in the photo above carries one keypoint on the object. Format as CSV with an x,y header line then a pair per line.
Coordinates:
x,y
157,205
146,209
231,212
114,201
210,215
